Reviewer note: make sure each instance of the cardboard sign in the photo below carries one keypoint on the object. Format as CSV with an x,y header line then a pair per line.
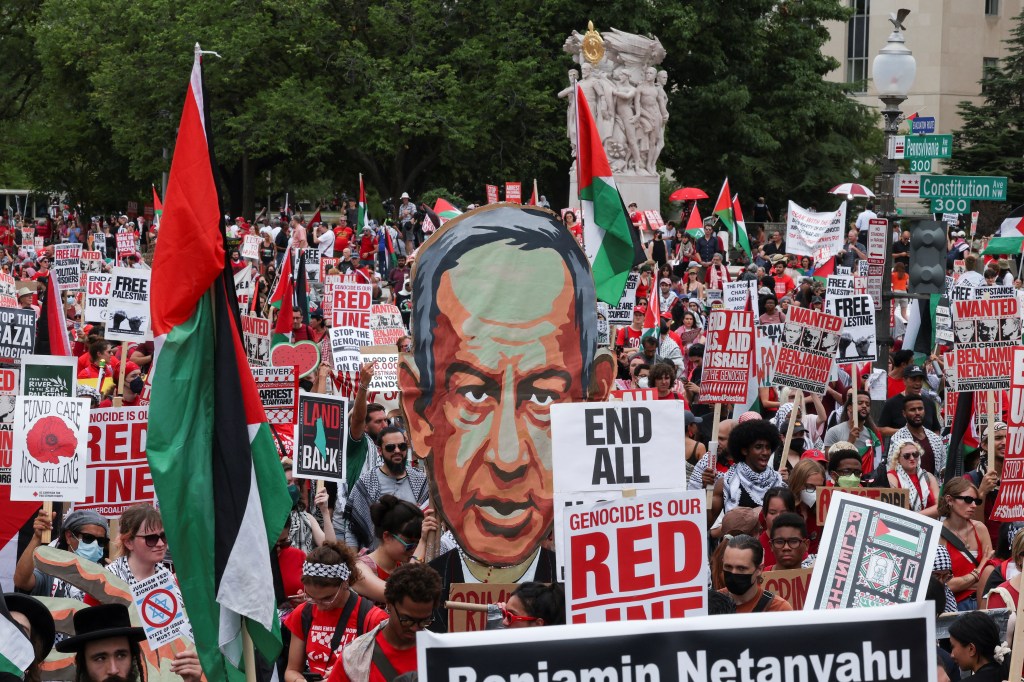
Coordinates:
x,y
878,230
8,291
17,332
838,285
984,334
492,193
49,375
385,371
386,324
791,585
892,643
245,285
49,450
117,473
872,554
514,192
98,286
350,304
622,314
857,343
345,345
256,339
251,246
814,234
638,558
807,352
125,243
321,437
475,593
129,306
279,392
161,609
1010,502
8,396
736,295
67,265
769,339
897,497
728,356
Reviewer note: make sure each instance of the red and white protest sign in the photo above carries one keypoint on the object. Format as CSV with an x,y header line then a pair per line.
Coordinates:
x,y
350,304
728,356
810,340
514,192
985,332
67,265
386,324
8,291
256,339
634,395
279,392
878,229
8,396
326,263
251,246
492,194
125,244
637,558
1010,502
654,220
117,471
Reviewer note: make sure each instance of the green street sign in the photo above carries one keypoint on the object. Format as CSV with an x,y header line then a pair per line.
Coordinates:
x,y
920,165
951,206
928,147
973,187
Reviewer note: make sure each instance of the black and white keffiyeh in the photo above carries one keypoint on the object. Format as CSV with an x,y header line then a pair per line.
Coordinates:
x,y
313,570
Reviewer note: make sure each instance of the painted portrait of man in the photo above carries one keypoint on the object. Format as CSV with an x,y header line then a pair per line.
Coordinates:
x,y
504,325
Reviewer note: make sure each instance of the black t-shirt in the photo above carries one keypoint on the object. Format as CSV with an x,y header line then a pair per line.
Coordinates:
x,y
892,414
901,252
281,240
770,249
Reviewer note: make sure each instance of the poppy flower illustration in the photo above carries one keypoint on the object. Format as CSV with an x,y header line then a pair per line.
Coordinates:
x,y
50,439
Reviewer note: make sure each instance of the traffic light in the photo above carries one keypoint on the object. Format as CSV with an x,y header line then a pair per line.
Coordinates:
x,y
927,257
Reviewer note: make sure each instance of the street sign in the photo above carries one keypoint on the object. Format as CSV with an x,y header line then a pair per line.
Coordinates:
x,y
908,186
920,146
922,125
955,206
978,187
920,165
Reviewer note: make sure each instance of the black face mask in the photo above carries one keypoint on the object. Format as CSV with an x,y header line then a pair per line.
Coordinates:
x,y
664,327
738,583
136,385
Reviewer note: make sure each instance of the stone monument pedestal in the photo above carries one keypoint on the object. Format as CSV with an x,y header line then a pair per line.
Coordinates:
x,y
644,190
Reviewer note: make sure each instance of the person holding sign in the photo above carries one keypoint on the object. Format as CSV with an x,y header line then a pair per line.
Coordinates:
x,y
751,445
966,540
143,544
906,473
83,533
399,527
533,605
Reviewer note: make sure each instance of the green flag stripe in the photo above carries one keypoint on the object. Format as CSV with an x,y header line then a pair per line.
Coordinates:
x,y
614,257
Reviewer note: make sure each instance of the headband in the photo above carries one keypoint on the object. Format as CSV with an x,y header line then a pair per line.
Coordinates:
x,y
339,571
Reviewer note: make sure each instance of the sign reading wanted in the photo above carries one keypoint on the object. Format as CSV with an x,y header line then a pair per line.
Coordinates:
x,y
386,324
256,339
984,334
810,340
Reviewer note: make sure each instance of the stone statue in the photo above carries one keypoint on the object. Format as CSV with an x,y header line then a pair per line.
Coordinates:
x,y
570,115
648,117
624,128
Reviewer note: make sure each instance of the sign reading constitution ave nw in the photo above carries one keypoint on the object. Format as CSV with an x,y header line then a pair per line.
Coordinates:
x,y
881,644
980,187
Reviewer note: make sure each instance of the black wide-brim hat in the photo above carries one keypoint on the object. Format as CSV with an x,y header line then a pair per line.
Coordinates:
x,y
100,622
39,617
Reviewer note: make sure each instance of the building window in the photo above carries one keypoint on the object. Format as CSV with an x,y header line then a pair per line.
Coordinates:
x,y
988,64
857,45
992,8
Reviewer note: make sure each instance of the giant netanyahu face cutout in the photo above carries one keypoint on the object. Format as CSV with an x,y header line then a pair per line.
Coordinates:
x,y
504,325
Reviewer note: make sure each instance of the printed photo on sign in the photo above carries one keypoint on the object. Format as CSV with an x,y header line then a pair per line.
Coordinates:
x,y
67,265
857,343
810,340
49,450
607,579
9,384
279,392
604,330
49,375
98,286
17,332
161,609
129,305
256,339
386,324
728,355
117,472
321,437
1010,502
872,554
8,291
984,334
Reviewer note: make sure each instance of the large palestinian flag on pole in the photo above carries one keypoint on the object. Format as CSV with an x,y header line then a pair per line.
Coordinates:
x,y
607,231
214,465
1010,239
361,220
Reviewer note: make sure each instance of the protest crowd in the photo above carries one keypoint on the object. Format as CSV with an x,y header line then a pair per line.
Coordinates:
x,y
453,453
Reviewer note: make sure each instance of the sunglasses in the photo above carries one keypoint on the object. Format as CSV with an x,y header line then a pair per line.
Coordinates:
x,y
969,500
508,618
153,539
909,455
89,538
406,544
392,447
784,542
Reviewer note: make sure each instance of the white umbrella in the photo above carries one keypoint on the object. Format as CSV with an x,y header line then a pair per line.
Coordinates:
x,y
852,189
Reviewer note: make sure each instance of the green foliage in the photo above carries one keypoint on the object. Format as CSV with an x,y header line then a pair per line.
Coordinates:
x,y
432,195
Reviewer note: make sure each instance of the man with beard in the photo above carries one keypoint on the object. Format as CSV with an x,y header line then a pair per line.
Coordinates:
x,y
892,417
393,477
106,648
914,414
704,473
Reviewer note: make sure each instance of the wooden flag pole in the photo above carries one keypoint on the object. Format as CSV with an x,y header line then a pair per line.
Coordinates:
x,y
48,510
1017,657
798,403
853,404
119,395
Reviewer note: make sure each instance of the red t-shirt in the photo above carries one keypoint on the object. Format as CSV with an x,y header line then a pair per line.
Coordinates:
x,y
627,337
403,660
783,285
290,560
87,370
319,657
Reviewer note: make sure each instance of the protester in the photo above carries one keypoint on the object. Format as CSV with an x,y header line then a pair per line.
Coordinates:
x,y
400,528
804,481
976,647
534,604
751,446
743,565
777,501
905,472
37,624
966,540
1006,595
83,533
142,542
790,544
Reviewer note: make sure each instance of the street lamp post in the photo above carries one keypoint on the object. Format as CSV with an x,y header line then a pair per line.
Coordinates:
x,y
893,71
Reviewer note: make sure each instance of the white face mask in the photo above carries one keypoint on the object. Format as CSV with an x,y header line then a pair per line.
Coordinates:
x,y
642,382
808,497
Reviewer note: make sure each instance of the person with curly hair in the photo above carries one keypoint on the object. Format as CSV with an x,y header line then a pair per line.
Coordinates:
x,y
389,650
751,445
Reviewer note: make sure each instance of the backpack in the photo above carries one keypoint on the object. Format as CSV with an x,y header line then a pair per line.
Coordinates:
x,y
364,606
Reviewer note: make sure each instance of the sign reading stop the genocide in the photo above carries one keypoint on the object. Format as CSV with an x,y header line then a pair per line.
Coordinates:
x,y
350,304
638,558
117,471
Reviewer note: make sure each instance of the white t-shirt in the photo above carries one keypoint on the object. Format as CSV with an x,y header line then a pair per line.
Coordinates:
x,y
863,218
325,244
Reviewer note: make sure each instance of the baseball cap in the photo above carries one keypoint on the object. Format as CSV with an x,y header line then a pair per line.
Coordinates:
x,y
664,280
914,372
640,309
816,455
691,418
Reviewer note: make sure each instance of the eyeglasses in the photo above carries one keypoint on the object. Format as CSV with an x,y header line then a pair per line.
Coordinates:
x,y
326,601
89,538
409,622
910,455
406,544
847,472
508,618
969,500
392,447
153,539
786,542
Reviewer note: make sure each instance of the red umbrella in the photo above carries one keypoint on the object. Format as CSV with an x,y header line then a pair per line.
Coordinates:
x,y
687,194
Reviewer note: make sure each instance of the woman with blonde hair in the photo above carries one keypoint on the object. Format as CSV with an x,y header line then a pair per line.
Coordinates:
x,y
966,540
905,472
804,480
143,544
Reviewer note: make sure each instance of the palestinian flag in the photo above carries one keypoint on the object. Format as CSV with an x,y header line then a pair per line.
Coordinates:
x,y
607,232
823,270
1011,235
896,536
739,235
533,197
52,332
282,298
652,318
445,211
361,216
158,207
694,224
723,209
315,219
214,464
17,652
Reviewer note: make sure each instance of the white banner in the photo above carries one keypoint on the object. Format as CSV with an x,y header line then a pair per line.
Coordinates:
x,y
818,235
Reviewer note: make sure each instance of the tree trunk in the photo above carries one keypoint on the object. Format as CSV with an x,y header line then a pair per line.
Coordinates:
x,y
248,187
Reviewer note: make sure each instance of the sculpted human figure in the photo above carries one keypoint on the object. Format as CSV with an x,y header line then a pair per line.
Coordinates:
x,y
569,94
648,116
624,97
